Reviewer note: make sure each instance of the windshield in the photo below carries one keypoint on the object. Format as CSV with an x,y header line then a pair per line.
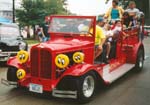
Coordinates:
x,y
70,25
9,32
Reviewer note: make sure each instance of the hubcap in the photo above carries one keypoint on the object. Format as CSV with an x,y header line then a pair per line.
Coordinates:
x,y
88,86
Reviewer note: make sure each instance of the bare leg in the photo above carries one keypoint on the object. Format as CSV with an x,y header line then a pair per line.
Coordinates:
x,y
98,52
108,49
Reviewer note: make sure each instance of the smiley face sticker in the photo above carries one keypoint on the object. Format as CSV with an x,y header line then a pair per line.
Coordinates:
x,y
22,56
21,73
62,61
78,57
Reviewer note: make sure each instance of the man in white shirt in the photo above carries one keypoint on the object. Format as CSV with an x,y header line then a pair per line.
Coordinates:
x,y
132,10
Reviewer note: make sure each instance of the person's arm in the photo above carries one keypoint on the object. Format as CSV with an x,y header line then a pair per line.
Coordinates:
x,y
102,41
107,14
122,10
42,32
102,38
130,24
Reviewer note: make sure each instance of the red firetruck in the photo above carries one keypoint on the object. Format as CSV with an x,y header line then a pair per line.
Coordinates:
x,y
65,65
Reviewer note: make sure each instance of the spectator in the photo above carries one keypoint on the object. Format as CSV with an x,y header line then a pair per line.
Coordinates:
x,y
114,12
40,34
45,32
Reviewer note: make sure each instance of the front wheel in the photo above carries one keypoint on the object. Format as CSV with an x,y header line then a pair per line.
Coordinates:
x,y
140,60
11,74
86,87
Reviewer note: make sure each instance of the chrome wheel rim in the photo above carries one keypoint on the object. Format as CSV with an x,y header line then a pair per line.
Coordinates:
x,y
88,86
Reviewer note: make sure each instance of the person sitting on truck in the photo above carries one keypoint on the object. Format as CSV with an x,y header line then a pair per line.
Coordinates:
x,y
118,28
127,20
114,12
109,34
133,12
99,38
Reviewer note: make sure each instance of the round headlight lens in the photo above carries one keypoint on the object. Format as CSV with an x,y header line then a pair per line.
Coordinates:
x,y
78,57
22,56
21,73
22,46
62,61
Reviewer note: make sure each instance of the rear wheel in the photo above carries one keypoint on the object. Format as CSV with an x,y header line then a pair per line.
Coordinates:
x,y
86,87
140,60
11,74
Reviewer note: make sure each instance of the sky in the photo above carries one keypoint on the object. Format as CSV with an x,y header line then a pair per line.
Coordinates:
x,y
88,7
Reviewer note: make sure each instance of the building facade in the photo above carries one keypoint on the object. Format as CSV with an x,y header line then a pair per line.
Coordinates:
x,y
6,9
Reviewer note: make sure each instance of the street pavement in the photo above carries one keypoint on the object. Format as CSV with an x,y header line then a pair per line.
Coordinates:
x,y
131,89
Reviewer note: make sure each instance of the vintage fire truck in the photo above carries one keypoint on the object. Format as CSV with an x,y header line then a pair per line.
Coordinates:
x,y
65,65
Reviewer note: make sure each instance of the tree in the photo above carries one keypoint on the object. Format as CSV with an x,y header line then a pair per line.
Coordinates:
x,y
33,12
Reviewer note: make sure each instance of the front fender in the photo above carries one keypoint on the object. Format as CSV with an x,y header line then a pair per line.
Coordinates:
x,y
79,69
13,61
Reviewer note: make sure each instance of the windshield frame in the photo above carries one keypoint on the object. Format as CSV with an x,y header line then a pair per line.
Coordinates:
x,y
93,18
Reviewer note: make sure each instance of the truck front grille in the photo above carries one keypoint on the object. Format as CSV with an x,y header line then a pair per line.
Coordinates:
x,y
41,65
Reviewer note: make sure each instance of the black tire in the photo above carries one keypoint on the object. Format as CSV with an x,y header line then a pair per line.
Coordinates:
x,y
82,96
11,74
140,61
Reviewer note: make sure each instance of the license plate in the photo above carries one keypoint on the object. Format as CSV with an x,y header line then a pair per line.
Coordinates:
x,y
36,88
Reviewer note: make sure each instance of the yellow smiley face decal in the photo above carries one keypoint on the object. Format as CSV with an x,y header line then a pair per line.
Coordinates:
x,y
21,73
78,57
62,61
22,56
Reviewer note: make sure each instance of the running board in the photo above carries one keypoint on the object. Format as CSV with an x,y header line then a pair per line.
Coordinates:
x,y
120,71
64,94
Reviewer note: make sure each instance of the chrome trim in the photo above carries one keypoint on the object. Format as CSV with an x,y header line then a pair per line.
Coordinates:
x,y
9,52
64,94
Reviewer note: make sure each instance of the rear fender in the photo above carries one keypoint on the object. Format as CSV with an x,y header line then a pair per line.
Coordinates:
x,y
135,52
141,46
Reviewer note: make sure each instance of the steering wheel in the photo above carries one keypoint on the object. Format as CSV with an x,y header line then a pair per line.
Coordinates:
x,y
86,33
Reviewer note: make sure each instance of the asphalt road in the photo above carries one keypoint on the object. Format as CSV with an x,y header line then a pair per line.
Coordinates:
x,y
131,89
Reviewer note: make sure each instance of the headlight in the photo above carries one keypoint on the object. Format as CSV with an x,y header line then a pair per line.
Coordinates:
x,y
21,73
22,56
78,57
62,61
22,46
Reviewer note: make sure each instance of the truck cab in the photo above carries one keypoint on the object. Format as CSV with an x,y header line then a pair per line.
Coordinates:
x,y
65,64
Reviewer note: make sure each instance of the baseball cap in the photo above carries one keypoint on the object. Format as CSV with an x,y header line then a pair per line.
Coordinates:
x,y
100,19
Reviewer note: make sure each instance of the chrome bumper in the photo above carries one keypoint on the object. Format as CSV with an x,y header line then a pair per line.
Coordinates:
x,y
8,83
4,56
64,94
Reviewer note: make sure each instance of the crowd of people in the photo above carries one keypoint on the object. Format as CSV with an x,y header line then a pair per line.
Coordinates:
x,y
112,23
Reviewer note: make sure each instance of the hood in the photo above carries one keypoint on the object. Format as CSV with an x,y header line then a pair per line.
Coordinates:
x,y
60,45
10,42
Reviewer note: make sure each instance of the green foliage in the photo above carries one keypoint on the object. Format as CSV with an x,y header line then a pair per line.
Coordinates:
x,y
33,12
